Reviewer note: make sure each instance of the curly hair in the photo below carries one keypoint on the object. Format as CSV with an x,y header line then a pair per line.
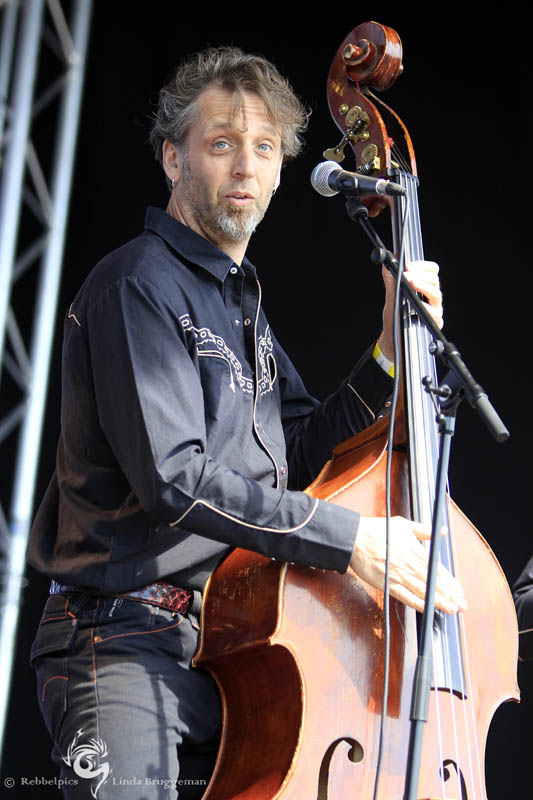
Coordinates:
x,y
238,72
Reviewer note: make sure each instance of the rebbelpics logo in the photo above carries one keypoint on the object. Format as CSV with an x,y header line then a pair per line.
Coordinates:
x,y
86,760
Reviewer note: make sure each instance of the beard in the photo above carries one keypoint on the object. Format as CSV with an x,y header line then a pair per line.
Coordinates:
x,y
230,223
237,223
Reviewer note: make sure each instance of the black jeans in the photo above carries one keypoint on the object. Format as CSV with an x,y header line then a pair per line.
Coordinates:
x,y
128,715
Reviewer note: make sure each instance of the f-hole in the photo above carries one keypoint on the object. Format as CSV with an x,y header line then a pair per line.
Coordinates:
x,y
445,775
355,754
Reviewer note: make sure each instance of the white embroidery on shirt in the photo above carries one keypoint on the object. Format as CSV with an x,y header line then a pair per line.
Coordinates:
x,y
243,522
73,316
266,361
362,401
209,344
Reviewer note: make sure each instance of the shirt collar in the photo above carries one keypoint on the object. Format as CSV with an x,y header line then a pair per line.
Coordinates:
x,y
191,245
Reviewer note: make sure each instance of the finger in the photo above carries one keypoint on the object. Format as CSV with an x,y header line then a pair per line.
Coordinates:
x,y
425,286
430,291
413,591
424,269
447,605
421,530
436,313
449,595
449,588
408,598
421,265
415,271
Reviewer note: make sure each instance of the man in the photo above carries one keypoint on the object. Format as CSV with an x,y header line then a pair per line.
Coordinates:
x,y
186,431
523,600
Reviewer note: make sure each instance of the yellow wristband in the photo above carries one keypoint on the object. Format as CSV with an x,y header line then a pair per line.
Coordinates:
x,y
383,361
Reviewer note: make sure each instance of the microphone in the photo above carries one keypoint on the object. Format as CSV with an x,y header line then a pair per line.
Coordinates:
x,y
329,179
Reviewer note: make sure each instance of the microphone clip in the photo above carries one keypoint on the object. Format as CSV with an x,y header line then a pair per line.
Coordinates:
x,y
355,208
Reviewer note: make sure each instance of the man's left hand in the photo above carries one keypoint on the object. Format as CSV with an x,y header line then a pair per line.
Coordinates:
x,y
424,277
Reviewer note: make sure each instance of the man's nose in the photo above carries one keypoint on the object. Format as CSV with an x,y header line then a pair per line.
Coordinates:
x,y
244,164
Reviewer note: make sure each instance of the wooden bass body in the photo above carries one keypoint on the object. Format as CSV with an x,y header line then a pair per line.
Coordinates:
x,y
298,656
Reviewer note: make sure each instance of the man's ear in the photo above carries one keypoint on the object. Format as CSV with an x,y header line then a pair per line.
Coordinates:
x,y
172,161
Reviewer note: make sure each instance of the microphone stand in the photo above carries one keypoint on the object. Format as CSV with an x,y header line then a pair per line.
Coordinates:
x,y
458,383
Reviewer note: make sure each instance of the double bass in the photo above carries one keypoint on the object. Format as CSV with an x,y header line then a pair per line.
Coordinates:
x,y
299,653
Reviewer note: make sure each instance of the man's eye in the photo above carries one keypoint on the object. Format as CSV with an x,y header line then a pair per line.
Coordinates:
x,y
221,145
265,147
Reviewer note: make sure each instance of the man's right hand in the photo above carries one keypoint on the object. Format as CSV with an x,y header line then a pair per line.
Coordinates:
x,y
408,563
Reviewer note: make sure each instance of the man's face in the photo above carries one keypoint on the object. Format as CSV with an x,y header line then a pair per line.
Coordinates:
x,y
230,169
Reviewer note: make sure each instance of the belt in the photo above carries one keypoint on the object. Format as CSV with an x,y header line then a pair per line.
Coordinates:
x,y
160,594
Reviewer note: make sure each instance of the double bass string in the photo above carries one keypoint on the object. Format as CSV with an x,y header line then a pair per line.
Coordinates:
x,y
427,448
451,636
422,363
426,366
421,427
471,737
421,463
388,483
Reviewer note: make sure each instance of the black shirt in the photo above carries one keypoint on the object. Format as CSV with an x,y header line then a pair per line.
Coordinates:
x,y
182,420
523,599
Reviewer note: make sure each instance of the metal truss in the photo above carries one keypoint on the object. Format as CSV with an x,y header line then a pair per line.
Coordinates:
x,y
43,46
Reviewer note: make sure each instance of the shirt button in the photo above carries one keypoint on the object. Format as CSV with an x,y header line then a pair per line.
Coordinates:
x,y
247,321
234,270
237,322
283,470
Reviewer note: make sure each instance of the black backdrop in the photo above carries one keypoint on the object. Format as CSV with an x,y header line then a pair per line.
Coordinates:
x,y
461,96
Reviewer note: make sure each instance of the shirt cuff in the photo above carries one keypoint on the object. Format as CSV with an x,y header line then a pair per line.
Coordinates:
x,y
326,543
